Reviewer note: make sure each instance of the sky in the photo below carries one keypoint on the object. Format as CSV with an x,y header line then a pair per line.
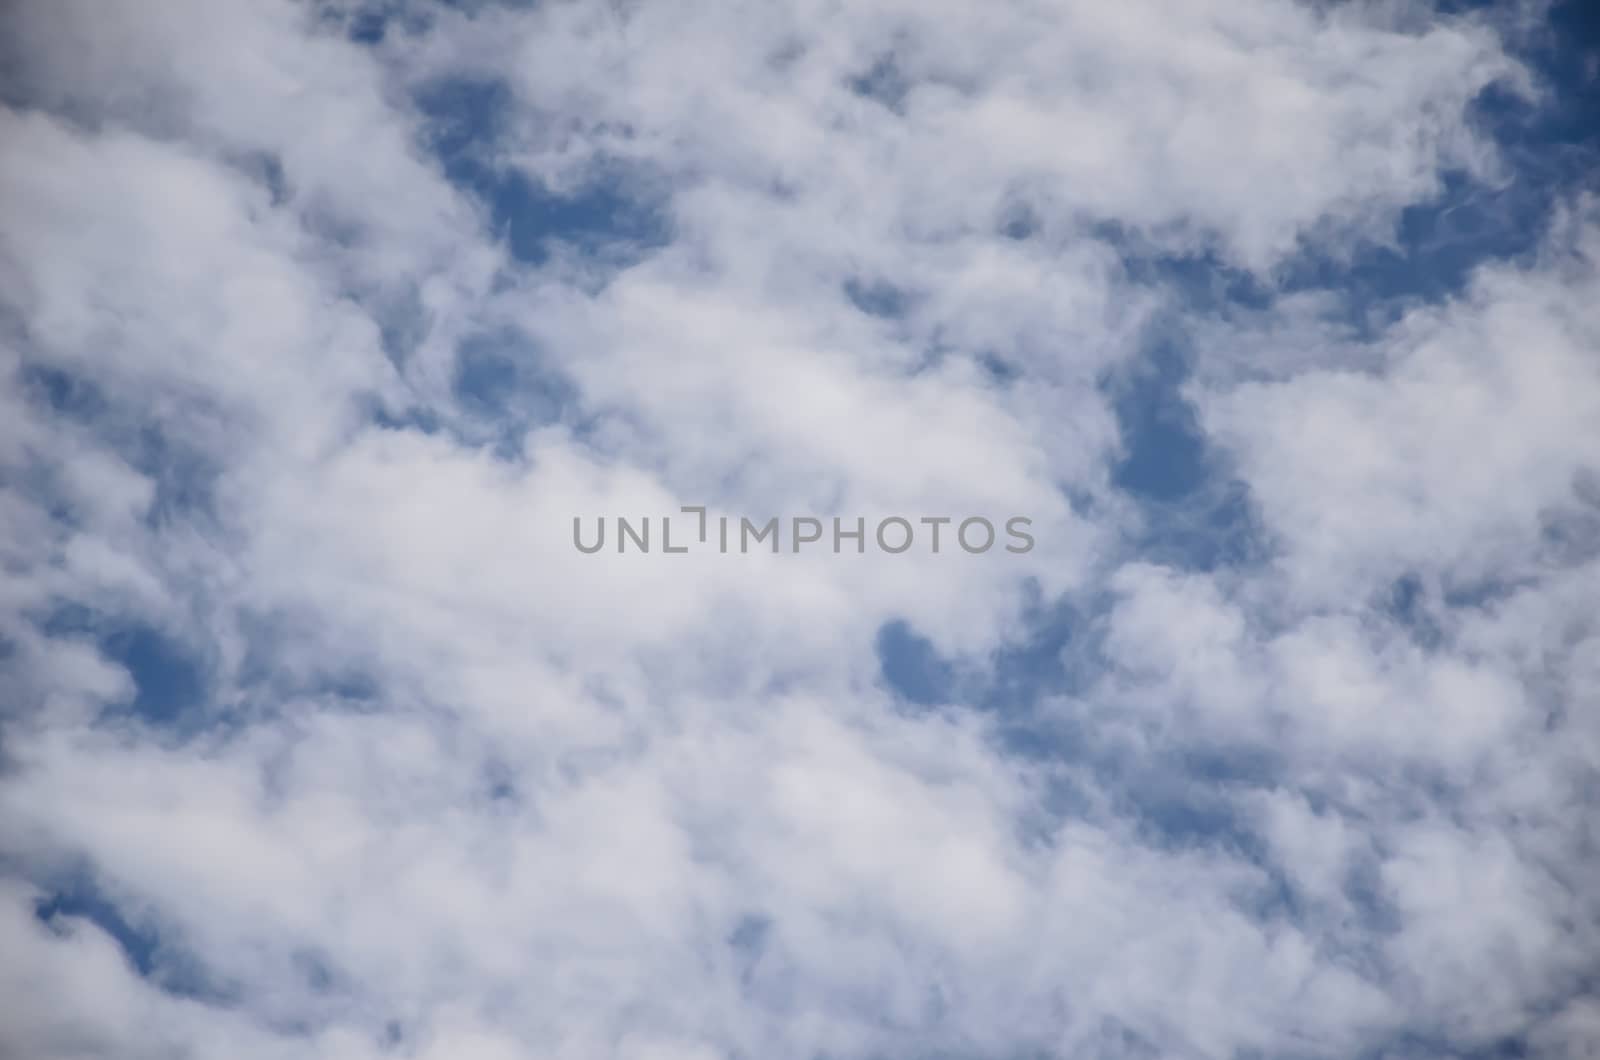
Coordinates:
x,y
322,320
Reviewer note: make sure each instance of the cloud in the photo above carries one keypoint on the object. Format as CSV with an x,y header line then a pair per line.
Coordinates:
x,y
321,322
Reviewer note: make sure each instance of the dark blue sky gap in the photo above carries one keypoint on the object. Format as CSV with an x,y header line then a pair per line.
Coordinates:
x,y
615,214
1551,151
171,679
155,958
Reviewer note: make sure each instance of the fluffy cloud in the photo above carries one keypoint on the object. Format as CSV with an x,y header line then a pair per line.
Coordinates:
x,y
321,323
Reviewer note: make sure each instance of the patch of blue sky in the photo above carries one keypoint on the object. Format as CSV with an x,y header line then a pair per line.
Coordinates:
x,y
607,220
373,22
1442,1046
184,478
1549,147
507,387
1194,514
504,377
614,215
877,298
911,665
883,82
77,899
171,679
1178,796
1408,606
80,899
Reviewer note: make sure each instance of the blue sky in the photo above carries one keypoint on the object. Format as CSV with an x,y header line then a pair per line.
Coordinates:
x,y
322,321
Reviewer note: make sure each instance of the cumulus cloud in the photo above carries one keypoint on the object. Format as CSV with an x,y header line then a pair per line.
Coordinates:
x,y
321,322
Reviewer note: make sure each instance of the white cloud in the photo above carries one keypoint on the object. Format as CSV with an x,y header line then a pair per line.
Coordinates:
x,y
453,789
